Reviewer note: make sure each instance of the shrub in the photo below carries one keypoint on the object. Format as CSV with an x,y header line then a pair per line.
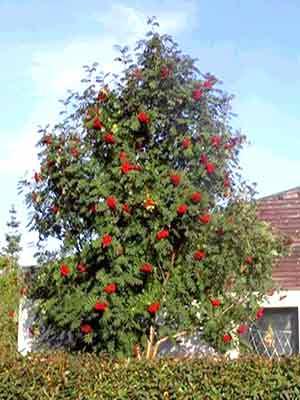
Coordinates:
x,y
9,304
86,377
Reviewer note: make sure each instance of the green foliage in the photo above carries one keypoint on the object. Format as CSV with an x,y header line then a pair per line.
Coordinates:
x,y
9,303
146,171
61,376
4,263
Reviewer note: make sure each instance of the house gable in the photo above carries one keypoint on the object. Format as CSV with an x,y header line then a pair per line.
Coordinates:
x,y
282,211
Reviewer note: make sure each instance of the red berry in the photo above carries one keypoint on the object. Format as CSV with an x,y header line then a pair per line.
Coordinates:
x,y
144,118
210,167
215,302
199,255
64,270
81,267
205,219
197,94
47,139
109,138
186,143
227,338
74,152
23,291
100,306
164,72
242,329
106,240
50,163
11,314
203,159
86,328
137,73
175,179
127,167
153,308
97,124
228,146
102,95
111,202
260,313
122,156
162,234
37,177
126,208
149,204
146,268
93,208
216,140
54,209
196,197
226,183
182,209
249,260
208,83
111,288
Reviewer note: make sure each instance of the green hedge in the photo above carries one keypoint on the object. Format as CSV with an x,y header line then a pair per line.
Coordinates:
x,y
10,283
86,377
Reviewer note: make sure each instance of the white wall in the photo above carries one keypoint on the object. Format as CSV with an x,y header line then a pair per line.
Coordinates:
x,y
26,318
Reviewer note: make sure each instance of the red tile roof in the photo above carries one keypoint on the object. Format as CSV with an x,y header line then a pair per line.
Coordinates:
x,y
282,211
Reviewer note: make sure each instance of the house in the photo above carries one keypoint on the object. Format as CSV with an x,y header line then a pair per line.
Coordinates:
x,y
278,331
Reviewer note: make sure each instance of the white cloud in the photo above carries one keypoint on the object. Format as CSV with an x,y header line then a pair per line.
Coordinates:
x,y
128,22
55,70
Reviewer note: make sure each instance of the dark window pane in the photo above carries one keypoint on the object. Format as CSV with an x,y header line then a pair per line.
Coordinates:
x,y
276,334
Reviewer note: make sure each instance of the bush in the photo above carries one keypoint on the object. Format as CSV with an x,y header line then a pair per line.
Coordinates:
x,y
86,377
9,302
4,261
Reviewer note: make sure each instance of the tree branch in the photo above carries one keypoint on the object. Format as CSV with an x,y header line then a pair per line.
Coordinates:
x,y
150,343
164,339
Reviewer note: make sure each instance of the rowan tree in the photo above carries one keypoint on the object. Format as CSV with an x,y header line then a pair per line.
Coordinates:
x,y
140,182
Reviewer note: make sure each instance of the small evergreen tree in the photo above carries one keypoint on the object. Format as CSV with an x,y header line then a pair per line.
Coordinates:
x,y
12,248
140,183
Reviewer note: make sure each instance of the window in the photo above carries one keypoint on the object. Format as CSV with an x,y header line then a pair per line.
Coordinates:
x,y
277,333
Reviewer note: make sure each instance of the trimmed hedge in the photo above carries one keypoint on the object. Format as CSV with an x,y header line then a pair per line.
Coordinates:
x,y
86,377
9,303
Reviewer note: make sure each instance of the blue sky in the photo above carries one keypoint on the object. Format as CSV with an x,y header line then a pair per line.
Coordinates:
x,y
252,46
